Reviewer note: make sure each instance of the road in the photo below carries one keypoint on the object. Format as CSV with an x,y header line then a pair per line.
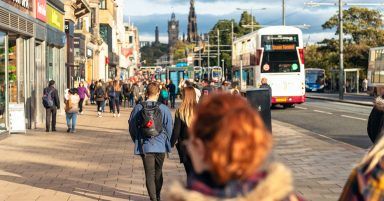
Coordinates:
x,y
339,121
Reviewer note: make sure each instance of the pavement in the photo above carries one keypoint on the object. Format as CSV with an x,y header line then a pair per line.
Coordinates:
x,y
358,99
97,162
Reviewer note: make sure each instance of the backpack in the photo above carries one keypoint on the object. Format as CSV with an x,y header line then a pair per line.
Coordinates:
x,y
47,98
99,93
150,119
164,94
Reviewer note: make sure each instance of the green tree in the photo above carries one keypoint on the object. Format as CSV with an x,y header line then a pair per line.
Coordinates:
x,y
246,19
152,52
362,24
181,49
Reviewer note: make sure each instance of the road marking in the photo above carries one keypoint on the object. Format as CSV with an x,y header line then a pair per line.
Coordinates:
x,y
301,108
319,111
346,116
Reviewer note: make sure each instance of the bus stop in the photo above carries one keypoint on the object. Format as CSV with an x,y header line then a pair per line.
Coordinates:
x,y
352,80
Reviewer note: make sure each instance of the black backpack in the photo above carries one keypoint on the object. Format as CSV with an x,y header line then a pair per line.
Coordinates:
x,y
47,98
150,119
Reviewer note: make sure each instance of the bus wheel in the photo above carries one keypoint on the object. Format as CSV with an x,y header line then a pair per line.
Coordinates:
x,y
289,106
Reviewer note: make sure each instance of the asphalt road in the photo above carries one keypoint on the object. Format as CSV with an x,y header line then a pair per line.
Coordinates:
x,y
339,121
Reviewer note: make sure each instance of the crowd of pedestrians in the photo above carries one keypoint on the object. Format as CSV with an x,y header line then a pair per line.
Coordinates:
x,y
222,142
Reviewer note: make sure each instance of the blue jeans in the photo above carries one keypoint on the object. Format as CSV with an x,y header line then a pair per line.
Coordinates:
x,y
103,106
73,117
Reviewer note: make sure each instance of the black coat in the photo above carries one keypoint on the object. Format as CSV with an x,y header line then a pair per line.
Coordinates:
x,y
179,135
376,120
54,94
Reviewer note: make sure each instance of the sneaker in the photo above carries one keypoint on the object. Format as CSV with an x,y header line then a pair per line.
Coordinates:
x,y
73,131
68,130
100,116
81,112
118,115
114,115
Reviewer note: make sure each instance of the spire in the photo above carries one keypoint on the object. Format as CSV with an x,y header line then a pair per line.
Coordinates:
x,y
157,35
192,23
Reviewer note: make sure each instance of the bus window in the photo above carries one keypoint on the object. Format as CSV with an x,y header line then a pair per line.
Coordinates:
x,y
280,54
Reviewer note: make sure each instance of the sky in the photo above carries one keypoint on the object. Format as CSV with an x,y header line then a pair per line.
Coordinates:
x,y
147,14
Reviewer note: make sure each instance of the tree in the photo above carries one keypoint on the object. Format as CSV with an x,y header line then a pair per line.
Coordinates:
x,y
246,19
181,49
362,24
152,52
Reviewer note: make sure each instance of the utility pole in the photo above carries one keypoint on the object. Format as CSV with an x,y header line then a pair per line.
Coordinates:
x,y
341,60
283,13
341,36
252,18
218,47
209,52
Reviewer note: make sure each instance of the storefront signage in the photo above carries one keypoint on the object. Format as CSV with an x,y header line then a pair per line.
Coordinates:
x,y
41,10
55,18
17,118
21,4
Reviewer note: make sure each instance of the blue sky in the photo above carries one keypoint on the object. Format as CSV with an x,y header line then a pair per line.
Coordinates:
x,y
146,14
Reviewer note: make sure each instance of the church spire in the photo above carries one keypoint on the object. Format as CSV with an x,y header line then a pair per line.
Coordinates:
x,y
192,23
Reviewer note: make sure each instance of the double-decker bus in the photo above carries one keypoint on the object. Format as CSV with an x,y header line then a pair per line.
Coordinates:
x,y
314,79
275,53
375,75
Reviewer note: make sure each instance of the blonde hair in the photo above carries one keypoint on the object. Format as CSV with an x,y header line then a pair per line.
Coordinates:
x,y
116,85
187,107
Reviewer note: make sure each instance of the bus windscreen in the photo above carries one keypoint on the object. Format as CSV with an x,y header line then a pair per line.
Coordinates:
x,y
280,54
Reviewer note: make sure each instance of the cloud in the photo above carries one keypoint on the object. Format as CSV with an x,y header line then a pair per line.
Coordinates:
x,y
146,14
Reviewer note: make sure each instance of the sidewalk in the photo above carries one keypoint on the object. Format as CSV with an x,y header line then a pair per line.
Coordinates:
x,y
359,99
97,162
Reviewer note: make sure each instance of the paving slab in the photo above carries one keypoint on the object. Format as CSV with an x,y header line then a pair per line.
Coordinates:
x,y
97,162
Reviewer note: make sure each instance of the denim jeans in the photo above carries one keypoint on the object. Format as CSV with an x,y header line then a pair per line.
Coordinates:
x,y
103,106
73,117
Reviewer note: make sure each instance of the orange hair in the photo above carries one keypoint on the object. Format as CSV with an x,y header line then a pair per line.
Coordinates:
x,y
235,137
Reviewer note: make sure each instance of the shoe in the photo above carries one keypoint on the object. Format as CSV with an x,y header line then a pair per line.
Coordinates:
x,y
73,131
118,115
68,130
100,116
81,112
54,130
46,130
114,115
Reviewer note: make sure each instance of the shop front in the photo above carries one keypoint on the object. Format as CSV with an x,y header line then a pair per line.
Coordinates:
x,y
17,67
55,51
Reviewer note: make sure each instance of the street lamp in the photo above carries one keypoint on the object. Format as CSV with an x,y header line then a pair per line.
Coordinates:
x,y
222,61
251,9
341,35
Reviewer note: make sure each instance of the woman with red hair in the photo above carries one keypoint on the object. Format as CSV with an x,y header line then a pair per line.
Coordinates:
x,y
228,145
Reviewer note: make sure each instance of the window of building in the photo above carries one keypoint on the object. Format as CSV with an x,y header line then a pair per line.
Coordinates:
x,y
130,39
103,4
104,33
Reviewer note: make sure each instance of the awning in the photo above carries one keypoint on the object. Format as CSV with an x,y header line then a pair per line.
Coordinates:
x,y
81,8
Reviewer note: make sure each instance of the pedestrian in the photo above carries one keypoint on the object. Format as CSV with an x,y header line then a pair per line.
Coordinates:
x,y
126,93
164,95
366,180
138,92
116,98
376,119
92,88
172,93
110,96
183,120
51,104
150,127
71,110
207,88
104,85
265,85
100,98
131,96
82,91
229,156
365,85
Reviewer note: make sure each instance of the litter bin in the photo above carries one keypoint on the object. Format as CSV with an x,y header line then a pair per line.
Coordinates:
x,y
260,99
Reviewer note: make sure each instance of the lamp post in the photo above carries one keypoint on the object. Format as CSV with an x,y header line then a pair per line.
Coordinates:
x,y
222,61
340,4
251,9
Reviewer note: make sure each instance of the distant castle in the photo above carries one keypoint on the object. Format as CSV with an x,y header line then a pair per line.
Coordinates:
x,y
173,31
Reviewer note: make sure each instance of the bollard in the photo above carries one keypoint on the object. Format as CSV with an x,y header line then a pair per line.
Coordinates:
x,y
261,101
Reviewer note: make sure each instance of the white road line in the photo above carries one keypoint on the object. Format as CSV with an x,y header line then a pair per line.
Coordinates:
x,y
301,108
346,116
319,111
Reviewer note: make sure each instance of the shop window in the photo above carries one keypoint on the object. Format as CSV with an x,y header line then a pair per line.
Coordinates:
x,y
2,81
103,4
12,69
